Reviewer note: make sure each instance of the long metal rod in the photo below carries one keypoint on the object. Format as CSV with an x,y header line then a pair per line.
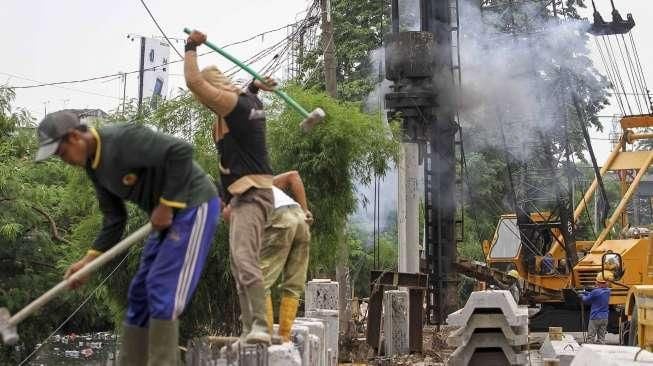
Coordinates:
x,y
624,200
395,16
85,271
638,136
590,191
595,166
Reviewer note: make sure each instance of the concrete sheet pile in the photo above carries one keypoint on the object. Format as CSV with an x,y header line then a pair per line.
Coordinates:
x,y
493,330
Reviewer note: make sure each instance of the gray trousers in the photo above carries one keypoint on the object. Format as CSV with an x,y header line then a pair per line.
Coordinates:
x,y
596,330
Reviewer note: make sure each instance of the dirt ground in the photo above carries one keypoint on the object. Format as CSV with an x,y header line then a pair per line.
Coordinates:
x,y
435,352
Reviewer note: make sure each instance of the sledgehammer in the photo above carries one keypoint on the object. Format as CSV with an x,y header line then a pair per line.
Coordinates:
x,y
310,119
8,324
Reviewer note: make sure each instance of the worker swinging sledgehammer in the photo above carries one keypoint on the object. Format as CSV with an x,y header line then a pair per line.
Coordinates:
x,y
246,176
130,162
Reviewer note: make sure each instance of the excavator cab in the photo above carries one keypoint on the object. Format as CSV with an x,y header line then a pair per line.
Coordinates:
x,y
612,265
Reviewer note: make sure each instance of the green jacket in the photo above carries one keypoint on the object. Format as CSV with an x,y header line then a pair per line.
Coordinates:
x,y
134,163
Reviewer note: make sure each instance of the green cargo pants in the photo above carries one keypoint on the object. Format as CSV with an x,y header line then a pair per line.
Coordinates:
x,y
286,242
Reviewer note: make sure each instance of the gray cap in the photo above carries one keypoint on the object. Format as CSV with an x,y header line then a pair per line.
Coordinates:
x,y
51,129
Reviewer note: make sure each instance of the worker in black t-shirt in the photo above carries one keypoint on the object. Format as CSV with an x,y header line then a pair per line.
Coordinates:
x,y
245,174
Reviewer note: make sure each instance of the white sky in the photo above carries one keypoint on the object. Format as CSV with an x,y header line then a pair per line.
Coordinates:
x,y
640,9
61,40
76,39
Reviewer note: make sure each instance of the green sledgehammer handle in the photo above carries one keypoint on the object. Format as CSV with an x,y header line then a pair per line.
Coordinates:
x,y
291,102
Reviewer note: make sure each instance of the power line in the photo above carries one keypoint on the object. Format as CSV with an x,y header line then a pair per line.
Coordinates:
x,y
42,84
56,85
161,30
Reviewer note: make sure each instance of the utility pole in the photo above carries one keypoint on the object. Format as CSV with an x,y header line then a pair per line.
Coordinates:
x,y
124,91
141,74
342,267
329,49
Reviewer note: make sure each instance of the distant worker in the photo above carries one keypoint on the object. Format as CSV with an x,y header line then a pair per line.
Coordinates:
x,y
599,299
514,286
130,162
547,265
246,175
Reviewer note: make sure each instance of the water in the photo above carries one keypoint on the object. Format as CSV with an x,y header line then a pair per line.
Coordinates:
x,y
94,349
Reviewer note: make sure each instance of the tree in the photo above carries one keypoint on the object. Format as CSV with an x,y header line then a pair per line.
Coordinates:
x,y
350,146
359,28
540,63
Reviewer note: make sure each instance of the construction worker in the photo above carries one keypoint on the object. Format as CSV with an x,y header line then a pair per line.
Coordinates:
x,y
245,174
130,162
599,299
514,285
285,249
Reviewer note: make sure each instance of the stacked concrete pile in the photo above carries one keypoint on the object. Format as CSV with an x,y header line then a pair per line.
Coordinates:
x,y
493,330
322,305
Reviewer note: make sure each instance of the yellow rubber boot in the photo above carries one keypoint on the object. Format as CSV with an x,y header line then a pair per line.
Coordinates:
x,y
269,310
287,313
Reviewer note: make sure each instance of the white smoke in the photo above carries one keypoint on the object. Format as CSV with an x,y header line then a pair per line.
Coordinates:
x,y
510,82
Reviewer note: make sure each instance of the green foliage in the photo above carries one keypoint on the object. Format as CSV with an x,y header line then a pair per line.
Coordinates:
x,y
37,212
349,146
359,27
35,198
361,257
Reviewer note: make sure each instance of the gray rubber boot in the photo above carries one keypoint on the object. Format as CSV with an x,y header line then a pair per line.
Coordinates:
x,y
133,347
245,315
259,333
245,321
164,343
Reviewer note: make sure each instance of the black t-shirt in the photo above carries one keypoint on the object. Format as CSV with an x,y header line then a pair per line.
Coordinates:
x,y
243,151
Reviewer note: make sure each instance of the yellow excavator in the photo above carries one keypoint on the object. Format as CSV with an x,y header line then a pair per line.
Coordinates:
x,y
550,280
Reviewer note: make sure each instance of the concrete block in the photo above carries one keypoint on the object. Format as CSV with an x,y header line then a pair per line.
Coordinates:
x,y
596,354
395,322
515,336
331,317
322,294
253,355
564,350
299,336
484,346
283,355
314,354
317,328
494,302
